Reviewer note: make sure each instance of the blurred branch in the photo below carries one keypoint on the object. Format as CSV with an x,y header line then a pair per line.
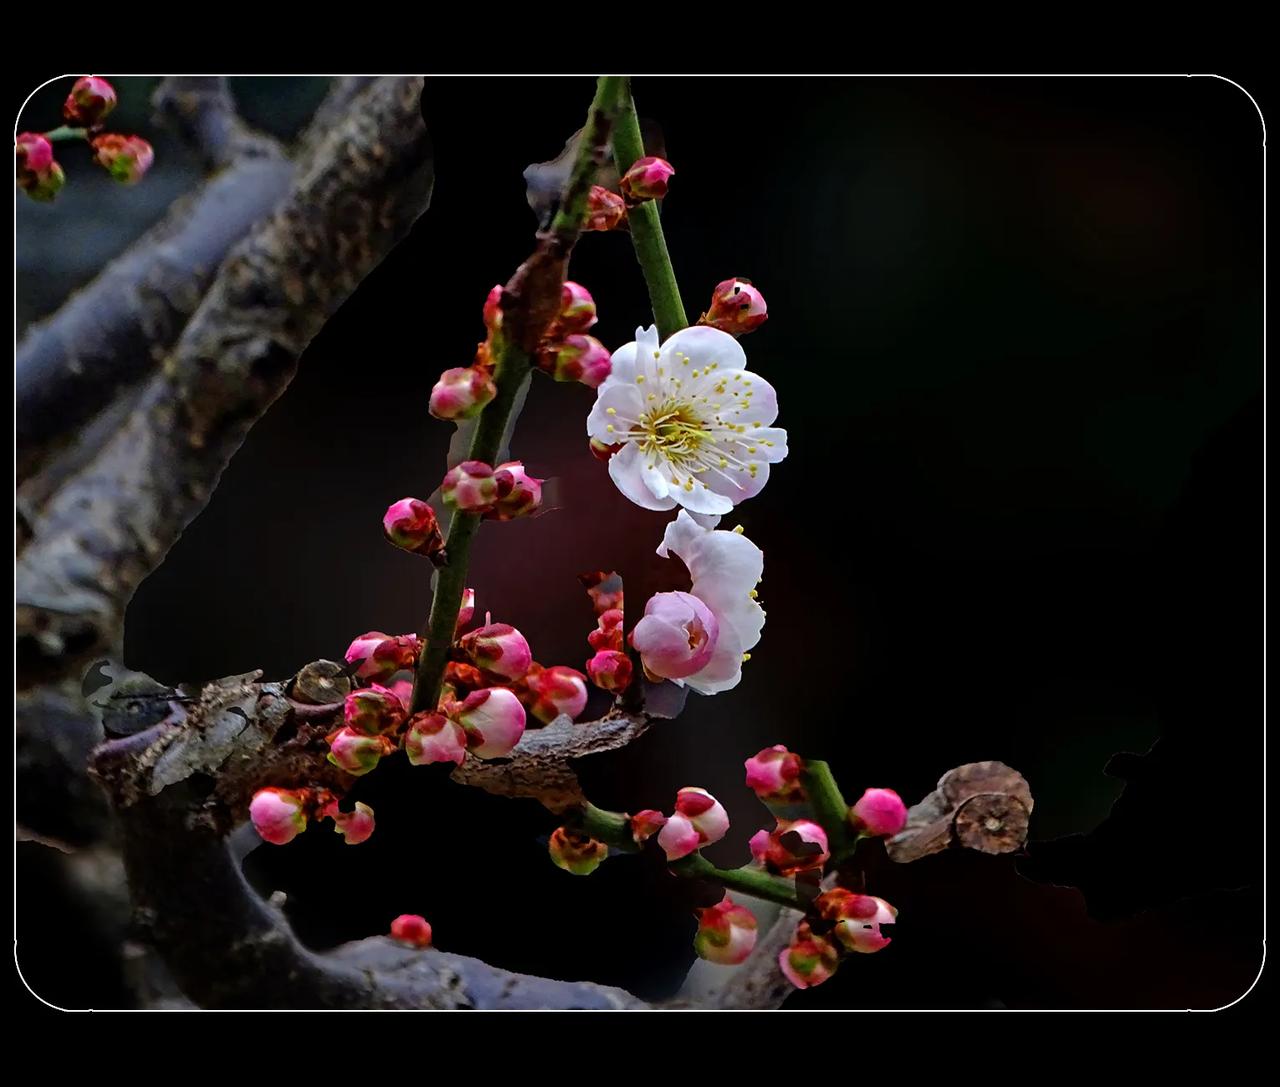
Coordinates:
x,y
202,112
354,196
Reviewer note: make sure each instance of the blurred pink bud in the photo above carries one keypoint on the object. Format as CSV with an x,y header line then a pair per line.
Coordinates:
x,y
736,307
647,179
726,933
39,176
278,815
610,669
577,309
467,611
575,852
774,775
432,737
90,100
462,393
608,632
411,929
645,824
498,648
605,209
880,813
794,846
577,358
354,826
858,918
524,497
125,158
556,690
411,524
357,753
493,308
493,719
372,710
381,656
474,487
605,590
699,820
677,635
810,959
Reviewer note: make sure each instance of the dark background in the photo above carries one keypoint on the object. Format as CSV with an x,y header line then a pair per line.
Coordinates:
x,y
1016,333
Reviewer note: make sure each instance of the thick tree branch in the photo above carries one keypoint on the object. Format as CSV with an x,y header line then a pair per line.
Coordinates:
x,y
354,196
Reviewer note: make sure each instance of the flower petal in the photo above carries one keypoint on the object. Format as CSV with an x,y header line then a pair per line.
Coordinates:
x,y
624,400
627,469
703,345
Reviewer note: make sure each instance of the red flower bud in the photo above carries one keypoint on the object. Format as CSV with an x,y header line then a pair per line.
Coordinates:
x,y
411,929
372,710
125,158
577,358
858,918
774,775
493,308
357,753
432,737
575,852
610,670
726,933
498,648
555,690
647,179
880,813
524,497
605,210
810,959
354,826
462,393
493,719
474,487
645,824
38,175
278,815
90,100
736,307
411,524
382,656
577,309
795,846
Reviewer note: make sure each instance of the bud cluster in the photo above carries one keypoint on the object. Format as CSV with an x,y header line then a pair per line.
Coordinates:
x,y
498,494
566,352
280,815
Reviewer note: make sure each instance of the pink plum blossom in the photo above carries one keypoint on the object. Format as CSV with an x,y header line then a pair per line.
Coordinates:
x,y
498,648
880,813
493,720
278,815
774,775
432,737
695,425
677,635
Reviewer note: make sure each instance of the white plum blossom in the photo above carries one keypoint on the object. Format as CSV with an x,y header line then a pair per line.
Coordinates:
x,y
725,567
691,425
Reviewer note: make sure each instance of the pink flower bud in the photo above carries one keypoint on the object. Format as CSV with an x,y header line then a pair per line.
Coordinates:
x,y
736,307
575,852
645,824
462,393
464,678
474,487
467,611
858,918
774,775
604,589
411,929
493,719
493,308
432,737
577,358
794,846
278,815
810,959
381,656
647,179
556,690
38,175
577,309
411,524
605,209
699,820
726,933
90,100
610,670
498,648
524,497
354,826
608,632
880,813
372,710
357,753
601,451
677,635
125,158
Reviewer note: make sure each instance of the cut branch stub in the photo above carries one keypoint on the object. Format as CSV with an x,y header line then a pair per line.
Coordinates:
x,y
981,805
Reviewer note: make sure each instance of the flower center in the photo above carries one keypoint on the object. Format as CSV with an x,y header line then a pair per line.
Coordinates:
x,y
673,430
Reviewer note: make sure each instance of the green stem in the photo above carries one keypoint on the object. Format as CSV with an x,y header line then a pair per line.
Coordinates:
x,y
749,880
829,806
66,132
646,229
511,366
611,827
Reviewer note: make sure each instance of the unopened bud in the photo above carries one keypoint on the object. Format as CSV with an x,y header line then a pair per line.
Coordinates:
x,y
493,719
125,158
699,820
493,308
726,933
575,852
278,815
577,358
858,918
38,175
467,610
605,209
90,100
381,656
372,710
474,487
608,632
795,846
810,959
498,648
524,497
411,929
411,524
577,309
432,737
647,179
354,826
880,813
736,307
554,691
462,393
645,824
357,753
610,669
774,775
